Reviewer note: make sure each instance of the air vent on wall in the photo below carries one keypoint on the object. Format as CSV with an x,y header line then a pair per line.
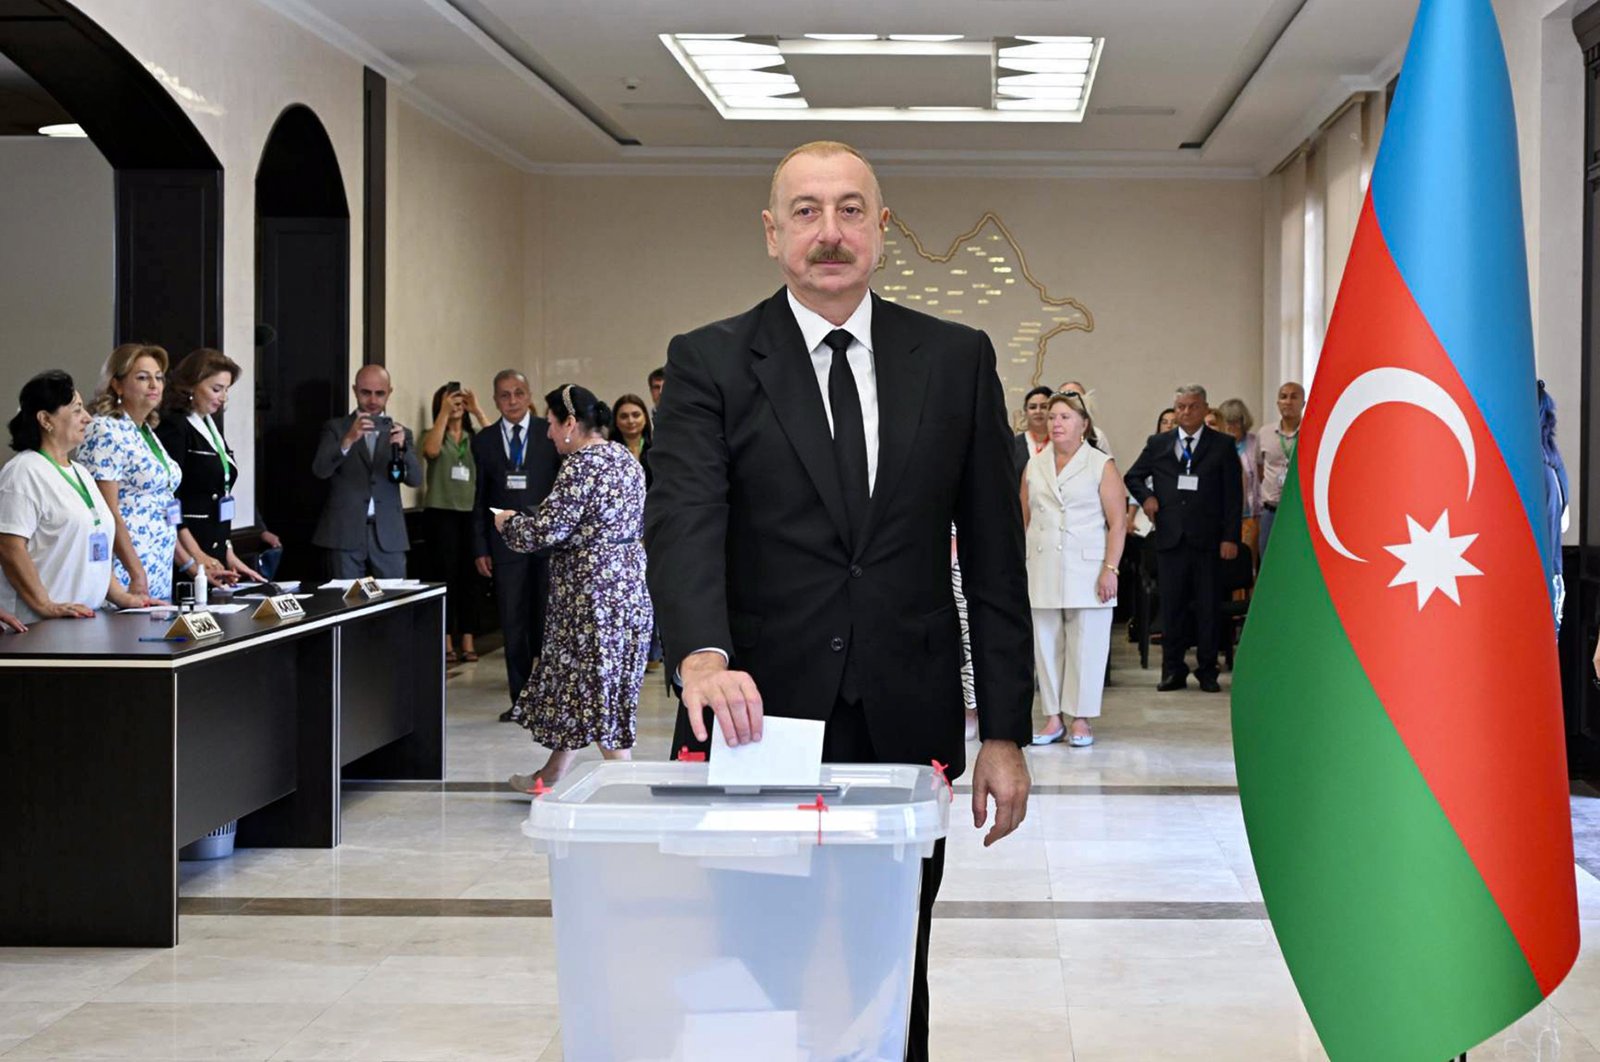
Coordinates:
x,y
1134,112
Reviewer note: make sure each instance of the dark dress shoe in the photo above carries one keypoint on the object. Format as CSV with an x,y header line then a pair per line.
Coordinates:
x,y
1210,685
1173,682
506,716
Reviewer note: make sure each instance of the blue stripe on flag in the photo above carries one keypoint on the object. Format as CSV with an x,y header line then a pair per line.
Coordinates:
x,y
1448,197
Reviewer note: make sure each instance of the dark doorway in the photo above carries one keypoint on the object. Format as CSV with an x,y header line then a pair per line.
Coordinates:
x,y
1582,692
302,326
168,240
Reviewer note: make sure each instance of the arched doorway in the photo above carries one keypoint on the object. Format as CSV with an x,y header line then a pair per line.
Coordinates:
x,y
302,325
168,183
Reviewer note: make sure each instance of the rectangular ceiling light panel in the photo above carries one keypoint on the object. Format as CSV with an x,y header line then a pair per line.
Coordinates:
x,y
895,78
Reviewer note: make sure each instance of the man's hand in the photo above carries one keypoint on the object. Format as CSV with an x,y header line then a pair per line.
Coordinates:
x,y
1002,773
731,695
358,427
271,541
485,566
10,622
397,435
1230,550
1151,506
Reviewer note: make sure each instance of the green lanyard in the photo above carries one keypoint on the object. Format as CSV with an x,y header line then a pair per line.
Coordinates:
x,y
155,448
463,448
222,451
75,481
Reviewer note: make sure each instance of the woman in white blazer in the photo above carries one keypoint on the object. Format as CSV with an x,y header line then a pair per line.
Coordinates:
x,y
1073,508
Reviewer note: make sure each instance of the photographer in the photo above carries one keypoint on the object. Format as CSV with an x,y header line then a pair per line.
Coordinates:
x,y
365,456
447,510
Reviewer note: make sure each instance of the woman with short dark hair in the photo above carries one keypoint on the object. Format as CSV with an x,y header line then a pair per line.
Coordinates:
x,y
55,529
585,688
1035,433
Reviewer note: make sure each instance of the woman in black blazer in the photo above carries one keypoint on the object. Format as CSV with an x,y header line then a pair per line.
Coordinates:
x,y
196,391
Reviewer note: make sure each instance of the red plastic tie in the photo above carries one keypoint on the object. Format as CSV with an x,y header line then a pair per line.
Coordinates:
x,y
819,807
685,756
539,788
938,771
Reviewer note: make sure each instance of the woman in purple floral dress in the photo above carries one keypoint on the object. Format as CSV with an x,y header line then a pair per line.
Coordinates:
x,y
585,688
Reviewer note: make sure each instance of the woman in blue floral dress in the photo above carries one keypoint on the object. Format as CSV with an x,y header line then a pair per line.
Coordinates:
x,y
132,469
585,688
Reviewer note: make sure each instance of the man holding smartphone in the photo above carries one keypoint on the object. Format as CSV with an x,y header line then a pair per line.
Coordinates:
x,y
365,456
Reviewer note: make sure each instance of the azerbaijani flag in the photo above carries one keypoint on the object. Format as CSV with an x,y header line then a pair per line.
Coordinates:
x,y
1396,709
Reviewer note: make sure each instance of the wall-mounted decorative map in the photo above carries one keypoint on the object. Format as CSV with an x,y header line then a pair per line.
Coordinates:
x,y
982,279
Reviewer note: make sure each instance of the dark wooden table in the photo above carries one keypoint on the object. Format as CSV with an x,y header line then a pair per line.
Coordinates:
x,y
114,753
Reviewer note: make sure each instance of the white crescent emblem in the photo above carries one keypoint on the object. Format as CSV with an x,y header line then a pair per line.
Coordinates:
x,y
1374,388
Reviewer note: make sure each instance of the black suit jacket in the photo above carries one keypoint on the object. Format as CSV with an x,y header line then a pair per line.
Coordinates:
x,y
1203,518
204,483
746,531
539,462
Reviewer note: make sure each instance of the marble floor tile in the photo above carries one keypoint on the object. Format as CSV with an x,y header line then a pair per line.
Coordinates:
x,y
423,1032
487,938
325,941
1136,870
1192,1033
493,979
18,1021
958,939
125,1031
65,975
974,986
180,976
1543,1035
999,1033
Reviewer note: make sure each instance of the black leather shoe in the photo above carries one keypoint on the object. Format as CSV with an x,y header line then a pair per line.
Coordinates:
x,y
1173,682
1210,685
505,716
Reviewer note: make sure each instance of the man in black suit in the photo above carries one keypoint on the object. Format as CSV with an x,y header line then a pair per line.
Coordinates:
x,y
516,465
1197,506
810,457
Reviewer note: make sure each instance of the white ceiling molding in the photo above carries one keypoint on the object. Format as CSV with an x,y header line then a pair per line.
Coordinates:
x,y
451,14
467,129
1330,101
1078,171
319,25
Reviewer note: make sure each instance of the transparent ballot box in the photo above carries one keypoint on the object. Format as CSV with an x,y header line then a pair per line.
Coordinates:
x,y
700,924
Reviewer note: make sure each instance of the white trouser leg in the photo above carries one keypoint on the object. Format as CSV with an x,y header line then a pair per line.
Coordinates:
x,y
1048,657
1086,643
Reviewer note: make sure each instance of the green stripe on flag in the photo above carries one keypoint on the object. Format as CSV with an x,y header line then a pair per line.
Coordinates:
x,y
1395,943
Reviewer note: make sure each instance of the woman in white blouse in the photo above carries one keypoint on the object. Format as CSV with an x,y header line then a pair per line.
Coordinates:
x,y
55,528
1072,506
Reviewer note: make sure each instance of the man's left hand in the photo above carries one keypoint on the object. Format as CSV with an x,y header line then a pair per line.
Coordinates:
x,y
1000,772
1230,550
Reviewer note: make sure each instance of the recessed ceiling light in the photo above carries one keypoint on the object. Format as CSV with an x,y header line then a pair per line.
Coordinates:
x,y
65,131
749,76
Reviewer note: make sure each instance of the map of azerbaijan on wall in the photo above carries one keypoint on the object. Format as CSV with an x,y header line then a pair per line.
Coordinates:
x,y
982,279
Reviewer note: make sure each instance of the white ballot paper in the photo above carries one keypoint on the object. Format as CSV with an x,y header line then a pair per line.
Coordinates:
x,y
789,753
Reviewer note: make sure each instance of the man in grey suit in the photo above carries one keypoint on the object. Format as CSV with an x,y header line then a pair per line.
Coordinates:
x,y
363,525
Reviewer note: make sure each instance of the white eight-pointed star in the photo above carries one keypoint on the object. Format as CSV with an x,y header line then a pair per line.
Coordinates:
x,y
1433,560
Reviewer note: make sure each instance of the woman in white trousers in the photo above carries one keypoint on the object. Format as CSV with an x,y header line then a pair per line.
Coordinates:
x,y
1073,508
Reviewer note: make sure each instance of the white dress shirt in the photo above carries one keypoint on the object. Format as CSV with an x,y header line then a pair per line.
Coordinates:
x,y
1194,444
815,328
505,434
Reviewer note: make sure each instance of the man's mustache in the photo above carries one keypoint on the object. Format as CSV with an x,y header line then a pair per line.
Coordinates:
x,y
830,254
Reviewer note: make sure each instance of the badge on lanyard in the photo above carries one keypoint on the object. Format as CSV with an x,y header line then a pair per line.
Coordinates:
x,y
225,509
516,481
174,512
461,473
1188,482
99,547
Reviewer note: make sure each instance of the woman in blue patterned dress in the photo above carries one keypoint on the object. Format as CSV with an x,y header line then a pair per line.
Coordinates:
x,y
585,688
133,470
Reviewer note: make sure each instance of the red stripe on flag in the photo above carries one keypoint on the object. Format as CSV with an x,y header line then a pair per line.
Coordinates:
x,y
1472,687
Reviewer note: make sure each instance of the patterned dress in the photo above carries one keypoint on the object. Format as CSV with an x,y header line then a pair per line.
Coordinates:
x,y
114,450
585,688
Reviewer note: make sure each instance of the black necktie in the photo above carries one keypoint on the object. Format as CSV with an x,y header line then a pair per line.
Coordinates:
x,y
516,446
849,432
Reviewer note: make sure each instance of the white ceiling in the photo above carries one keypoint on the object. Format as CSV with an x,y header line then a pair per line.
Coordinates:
x,y
545,83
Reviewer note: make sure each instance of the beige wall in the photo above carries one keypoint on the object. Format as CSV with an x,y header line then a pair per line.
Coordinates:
x,y
1171,271
455,265
234,67
55,296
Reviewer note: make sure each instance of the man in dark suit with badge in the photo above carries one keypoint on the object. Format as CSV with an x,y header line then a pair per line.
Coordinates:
x,y
1197,506
516,466
809,460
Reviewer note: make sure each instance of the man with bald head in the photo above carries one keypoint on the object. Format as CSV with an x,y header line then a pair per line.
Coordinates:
x,y
808,462
363,525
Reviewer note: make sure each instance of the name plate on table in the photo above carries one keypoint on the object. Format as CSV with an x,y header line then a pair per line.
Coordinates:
x,y
195,625
364,590
282,607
